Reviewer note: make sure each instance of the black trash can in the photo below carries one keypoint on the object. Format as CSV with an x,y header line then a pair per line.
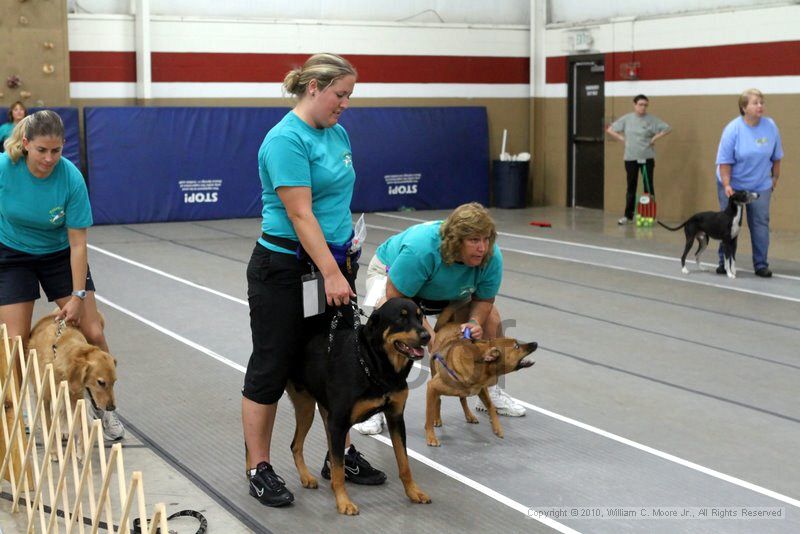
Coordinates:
x,y
510,183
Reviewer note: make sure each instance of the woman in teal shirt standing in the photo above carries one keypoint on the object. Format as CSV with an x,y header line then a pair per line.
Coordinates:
x,y
44,217
306,168
16,112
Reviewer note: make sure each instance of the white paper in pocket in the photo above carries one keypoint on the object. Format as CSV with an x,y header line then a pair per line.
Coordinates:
x,y
376,290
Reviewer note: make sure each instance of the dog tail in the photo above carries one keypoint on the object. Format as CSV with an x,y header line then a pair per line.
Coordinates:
x,y
670,228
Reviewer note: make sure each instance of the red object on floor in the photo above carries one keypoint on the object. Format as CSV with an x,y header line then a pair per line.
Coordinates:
x,y
543,224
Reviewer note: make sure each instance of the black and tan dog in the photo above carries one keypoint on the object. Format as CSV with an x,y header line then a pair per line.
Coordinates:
x,y
352,377
723,225
462,368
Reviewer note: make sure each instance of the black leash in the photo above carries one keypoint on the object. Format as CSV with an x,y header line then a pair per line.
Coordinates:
x,y
114,528
356,327
183,513
61,325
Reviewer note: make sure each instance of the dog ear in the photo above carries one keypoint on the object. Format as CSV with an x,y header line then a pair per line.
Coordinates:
x,y
492,354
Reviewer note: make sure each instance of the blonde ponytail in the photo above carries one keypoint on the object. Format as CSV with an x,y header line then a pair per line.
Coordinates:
x,y
13,144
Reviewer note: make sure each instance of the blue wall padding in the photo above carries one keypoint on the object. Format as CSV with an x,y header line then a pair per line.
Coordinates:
x,y
72,144
175,164
441,153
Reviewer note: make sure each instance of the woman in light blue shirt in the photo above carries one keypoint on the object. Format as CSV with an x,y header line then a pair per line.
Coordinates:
x,y
749,159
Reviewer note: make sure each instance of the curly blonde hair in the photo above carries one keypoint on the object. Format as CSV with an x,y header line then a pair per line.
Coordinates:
x,y
467,220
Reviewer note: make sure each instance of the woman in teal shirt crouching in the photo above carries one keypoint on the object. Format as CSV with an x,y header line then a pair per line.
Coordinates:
x,y
442,262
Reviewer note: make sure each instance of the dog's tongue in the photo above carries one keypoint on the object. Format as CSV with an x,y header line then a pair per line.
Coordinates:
x,y
418,352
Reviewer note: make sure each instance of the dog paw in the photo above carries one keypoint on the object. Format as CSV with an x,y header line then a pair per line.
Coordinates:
x,y
309,482
685,270
471,419
434,442
418,496
498,432
731,276
437,423
347,508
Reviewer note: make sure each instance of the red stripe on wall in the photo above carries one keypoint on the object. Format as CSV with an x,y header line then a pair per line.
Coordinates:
x,y
754,59
215,67
221,67
102,66
556,69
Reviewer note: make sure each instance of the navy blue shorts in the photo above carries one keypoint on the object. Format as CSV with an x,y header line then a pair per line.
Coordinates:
x,y
278,328
22,273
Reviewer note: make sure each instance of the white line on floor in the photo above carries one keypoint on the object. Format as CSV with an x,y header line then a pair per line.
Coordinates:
x,y
452,474
574,244
168,275
543,411
489,492
615,267
657,275
173,335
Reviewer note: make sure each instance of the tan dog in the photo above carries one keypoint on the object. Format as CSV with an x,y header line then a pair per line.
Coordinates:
x,y
85,367
463,368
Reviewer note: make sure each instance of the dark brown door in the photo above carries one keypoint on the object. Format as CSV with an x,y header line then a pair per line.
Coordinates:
x,y
586,133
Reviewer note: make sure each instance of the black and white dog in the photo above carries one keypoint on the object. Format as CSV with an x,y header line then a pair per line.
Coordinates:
x,y
723,225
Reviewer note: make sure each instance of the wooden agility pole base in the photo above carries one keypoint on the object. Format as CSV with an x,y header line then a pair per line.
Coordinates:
x,y
55,459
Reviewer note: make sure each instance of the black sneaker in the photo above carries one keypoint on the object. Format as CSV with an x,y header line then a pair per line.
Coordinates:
x,y
721,269
764,272
268,487
356,469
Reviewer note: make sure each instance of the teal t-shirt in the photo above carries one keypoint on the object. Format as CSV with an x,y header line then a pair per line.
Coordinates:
x,y
36,212
297,155
416,268
5,131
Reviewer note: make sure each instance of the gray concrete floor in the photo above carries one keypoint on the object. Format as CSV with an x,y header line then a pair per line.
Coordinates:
x,y
653,392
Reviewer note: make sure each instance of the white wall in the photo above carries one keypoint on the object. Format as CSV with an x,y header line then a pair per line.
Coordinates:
x,y
578,11
447,11
171,34
769,24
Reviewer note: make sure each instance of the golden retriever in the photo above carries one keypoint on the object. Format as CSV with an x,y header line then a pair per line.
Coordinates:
x,y
85,367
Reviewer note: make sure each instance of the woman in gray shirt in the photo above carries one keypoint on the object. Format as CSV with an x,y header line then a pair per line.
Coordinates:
x,y
639,131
